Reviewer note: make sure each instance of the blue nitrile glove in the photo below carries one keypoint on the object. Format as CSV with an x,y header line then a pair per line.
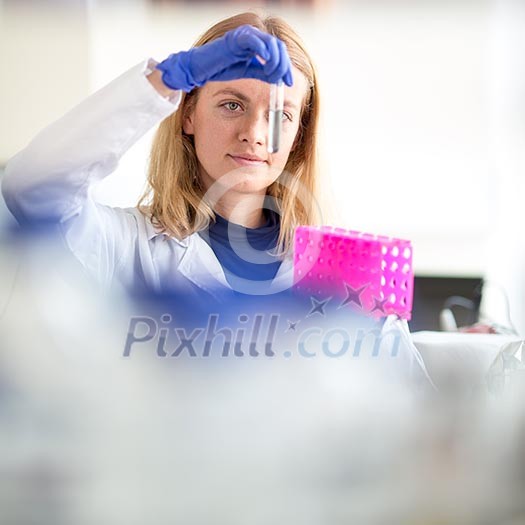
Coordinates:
x,y
229,57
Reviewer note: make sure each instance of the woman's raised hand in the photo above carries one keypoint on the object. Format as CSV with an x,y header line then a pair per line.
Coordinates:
x,y
244,52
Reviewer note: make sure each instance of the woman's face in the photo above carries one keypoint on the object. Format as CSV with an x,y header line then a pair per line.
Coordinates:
x,y
229,123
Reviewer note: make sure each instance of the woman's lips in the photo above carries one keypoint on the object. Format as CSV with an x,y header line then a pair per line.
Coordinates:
x,y
246,162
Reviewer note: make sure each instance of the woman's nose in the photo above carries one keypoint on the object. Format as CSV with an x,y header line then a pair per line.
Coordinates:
x,y
254,129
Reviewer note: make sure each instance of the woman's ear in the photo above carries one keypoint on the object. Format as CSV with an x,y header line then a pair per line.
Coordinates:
x,y
187,119
187,124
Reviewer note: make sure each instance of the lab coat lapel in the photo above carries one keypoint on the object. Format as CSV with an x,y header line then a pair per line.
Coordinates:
x,y
201,266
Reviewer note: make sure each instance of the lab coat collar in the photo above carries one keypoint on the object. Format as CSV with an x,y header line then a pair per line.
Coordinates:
x,y
153,231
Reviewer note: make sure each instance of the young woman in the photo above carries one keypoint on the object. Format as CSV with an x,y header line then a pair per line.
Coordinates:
x,y
220,211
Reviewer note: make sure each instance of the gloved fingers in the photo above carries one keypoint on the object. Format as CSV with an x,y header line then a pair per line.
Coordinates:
x,y
279,66
273,53
214,59
270,48
249,41
251,69
244,52
283,70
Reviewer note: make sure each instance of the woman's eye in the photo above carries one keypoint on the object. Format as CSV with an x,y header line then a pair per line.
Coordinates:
x,y
232,106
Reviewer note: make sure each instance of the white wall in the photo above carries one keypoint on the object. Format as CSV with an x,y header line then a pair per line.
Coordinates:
x,y
43,59
405,126
505,262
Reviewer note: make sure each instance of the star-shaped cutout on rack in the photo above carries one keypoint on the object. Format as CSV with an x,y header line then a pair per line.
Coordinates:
x,y
317,306
353,295
292,326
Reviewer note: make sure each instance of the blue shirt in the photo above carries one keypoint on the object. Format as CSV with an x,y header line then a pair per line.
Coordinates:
x,y
244,252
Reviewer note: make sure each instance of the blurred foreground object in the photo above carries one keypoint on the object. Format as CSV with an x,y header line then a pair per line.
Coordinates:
x,y
89,436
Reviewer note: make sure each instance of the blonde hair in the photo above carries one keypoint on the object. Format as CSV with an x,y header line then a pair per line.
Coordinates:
x,y
174,193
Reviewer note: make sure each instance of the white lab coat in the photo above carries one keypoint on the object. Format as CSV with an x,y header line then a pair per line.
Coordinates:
x,y
52,177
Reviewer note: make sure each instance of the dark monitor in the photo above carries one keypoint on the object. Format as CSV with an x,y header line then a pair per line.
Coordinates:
x,y
431,294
